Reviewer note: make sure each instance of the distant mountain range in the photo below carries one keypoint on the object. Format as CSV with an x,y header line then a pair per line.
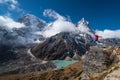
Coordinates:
x,y
28,34
27,46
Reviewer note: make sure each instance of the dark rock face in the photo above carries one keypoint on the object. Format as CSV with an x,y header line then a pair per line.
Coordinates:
x,y
26,68
95,61
61,46
6,54
19,60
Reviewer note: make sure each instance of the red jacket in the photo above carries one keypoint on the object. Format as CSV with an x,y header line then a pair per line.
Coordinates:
x,y
96,37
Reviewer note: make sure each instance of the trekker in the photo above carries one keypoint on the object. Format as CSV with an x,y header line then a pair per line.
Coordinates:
x,y
96,37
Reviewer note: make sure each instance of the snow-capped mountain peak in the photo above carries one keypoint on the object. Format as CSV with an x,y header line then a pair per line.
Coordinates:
x,y
83,21
32,21
84,27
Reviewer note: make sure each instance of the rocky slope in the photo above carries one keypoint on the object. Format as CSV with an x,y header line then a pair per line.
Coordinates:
x,y
95,61
69,73
62,46
102,69
20,60
111,69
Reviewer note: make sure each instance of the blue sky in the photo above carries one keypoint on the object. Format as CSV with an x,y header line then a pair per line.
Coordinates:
x,y
102,14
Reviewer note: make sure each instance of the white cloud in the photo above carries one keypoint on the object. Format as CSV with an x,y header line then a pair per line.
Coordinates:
x,y
11,8
53,14
108,33
3,1
12,4
11,1
9,23
14,1
59,25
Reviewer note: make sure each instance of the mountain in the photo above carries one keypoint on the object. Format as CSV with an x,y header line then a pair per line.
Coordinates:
x,y
22,50
15,44
33,25
20,60
32,22
23,36
110,41
84,27
66,45
61,46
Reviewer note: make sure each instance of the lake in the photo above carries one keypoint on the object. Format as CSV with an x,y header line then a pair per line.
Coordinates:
x,y
63,63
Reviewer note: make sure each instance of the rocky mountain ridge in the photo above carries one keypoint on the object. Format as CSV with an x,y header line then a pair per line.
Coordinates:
x,y
62,46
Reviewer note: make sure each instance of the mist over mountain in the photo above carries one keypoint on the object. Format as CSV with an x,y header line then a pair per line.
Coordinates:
x,y
30,29
21,36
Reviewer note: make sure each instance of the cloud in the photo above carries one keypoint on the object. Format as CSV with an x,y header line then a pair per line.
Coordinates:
x,y
108,33
9,9
11,1
12,4
61,24
9,23
53,14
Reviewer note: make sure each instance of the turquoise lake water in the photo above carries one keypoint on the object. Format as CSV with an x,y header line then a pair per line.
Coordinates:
x,y
63,63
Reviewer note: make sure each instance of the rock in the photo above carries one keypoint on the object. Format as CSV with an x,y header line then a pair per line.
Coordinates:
x,y
76,57
114,75
95,61
13,61
110,41
68,58
60,46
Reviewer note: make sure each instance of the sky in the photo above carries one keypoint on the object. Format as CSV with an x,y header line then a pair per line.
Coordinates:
x,y
101,14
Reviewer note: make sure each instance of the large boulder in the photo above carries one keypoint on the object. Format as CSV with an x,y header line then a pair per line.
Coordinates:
x,y
95,61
